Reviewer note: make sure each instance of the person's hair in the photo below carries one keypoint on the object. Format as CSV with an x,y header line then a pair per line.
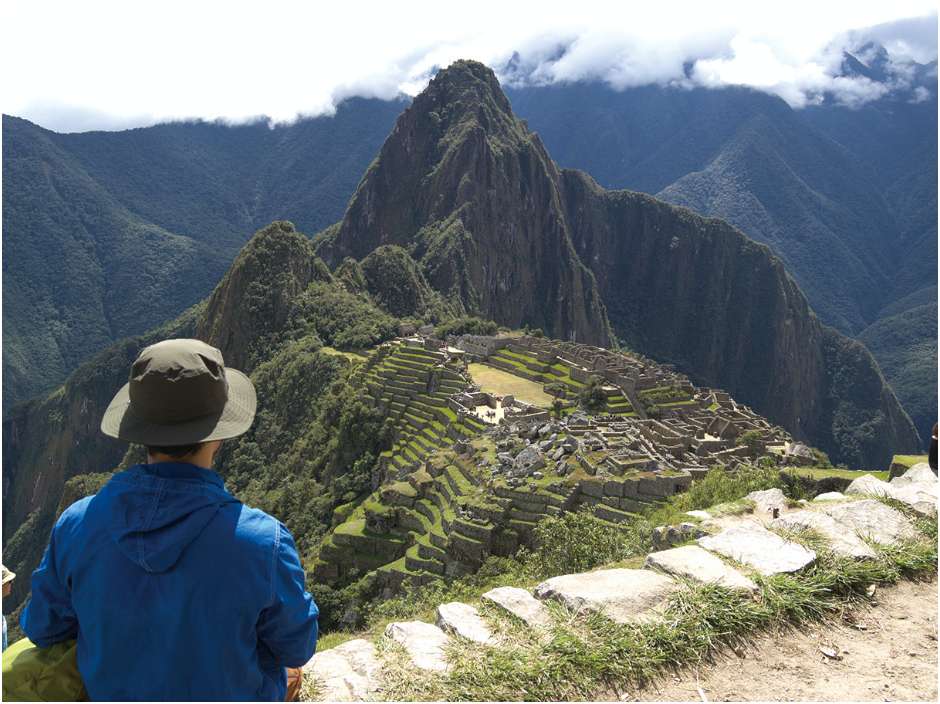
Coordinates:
x,y
174,450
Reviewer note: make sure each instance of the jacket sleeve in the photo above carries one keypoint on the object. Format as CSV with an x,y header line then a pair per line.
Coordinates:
x,y
288,626
48,617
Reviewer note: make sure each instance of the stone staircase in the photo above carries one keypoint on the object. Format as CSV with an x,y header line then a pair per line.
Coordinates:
x,y
733,549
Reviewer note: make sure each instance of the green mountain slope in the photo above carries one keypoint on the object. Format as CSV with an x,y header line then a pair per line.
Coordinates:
x,y
107,234
905,345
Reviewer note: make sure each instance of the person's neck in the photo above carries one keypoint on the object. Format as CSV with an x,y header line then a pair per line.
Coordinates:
x,y
199,460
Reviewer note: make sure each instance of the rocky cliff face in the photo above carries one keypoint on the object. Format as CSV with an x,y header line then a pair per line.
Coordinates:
x,y
696,292
473,195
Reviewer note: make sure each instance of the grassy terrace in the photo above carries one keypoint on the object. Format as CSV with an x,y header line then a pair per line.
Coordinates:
x,y
424,508
502,383
823,473
414,388
908,460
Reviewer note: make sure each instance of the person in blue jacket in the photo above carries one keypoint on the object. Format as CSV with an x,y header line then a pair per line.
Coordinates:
x,y
174,589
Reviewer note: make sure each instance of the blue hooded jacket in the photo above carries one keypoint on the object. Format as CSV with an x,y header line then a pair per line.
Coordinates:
x,y
175,590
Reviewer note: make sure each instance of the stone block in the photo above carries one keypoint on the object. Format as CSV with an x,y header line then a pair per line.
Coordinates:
x,y
760,549
622,595
520,604
841,541
347,673
699,565
465,621
872,520
424,643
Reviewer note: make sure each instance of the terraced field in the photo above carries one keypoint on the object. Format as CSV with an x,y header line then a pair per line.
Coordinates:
x,y
413,384
420,528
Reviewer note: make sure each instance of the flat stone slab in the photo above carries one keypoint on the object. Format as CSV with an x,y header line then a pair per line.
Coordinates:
x,y
465,621
697,564
831,496
621,595
841,541
424,643
872,520
760,549
347,673
520,604
913,488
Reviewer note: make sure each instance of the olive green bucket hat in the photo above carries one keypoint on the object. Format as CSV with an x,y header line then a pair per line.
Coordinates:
x,y
180,393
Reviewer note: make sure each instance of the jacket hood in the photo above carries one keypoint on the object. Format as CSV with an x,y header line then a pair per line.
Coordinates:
x,y
160,509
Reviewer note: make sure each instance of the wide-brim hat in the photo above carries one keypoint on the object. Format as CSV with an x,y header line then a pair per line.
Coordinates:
x,y
180,393
7,575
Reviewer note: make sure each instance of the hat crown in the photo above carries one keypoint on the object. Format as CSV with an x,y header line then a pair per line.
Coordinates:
x,y
176,381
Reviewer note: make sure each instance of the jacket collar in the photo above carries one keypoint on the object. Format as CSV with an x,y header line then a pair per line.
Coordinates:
x,y
183,470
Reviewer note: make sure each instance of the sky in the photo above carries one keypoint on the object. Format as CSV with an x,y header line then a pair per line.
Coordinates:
x,y
103,64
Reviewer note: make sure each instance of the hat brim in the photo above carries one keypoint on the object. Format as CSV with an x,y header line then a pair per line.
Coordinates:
x,y
121,422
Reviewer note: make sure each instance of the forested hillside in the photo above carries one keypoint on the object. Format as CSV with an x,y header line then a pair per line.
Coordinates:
x,y
107,234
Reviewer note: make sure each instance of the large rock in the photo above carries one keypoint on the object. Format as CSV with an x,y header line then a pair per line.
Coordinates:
x,y
920,496
919,493
757,547
621,595
799,455
520,604
692,562
868,485
841,541
529,459
768,500
347,673
872,520
423,642
465,621
920,472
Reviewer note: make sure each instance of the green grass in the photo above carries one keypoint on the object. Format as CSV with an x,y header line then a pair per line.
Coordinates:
x,y
502,383
908,460
823,473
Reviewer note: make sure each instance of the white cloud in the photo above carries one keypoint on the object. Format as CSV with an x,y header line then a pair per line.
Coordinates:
x,y
110,63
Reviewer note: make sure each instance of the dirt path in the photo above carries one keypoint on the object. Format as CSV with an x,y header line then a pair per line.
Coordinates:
x,y
893,659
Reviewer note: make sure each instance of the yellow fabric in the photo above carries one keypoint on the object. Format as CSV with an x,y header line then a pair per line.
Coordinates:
x,y
32,674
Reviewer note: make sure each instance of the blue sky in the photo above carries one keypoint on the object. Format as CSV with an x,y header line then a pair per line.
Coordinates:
x,y
97,64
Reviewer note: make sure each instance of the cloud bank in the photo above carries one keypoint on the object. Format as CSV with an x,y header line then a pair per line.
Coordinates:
x,y
103,64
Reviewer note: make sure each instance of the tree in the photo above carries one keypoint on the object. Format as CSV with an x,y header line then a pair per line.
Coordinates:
x,y
752,440
592,397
